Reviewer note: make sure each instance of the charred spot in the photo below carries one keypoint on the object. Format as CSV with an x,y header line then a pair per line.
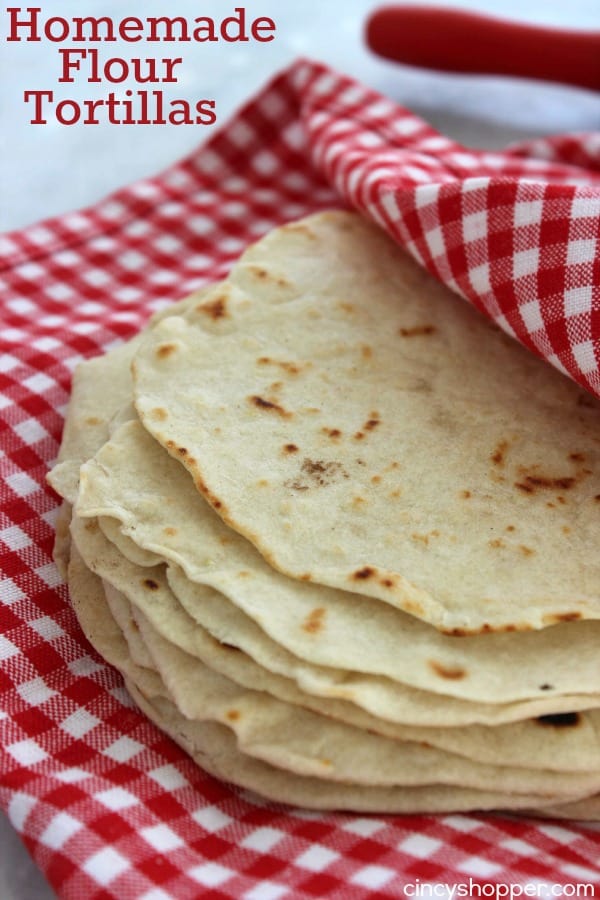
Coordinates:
x,y
560,720
150,584
576,457
216,309
531,483
452,673
333,433
417,331
360,462
317,473
290,448
202,487
314,621
182,451
364,573
268,405
386,582
597,498
499,455
370,424
165,350
546,687
568,616
465,495
291,368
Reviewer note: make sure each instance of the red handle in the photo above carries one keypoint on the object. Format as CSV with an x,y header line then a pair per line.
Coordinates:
x,y
458,41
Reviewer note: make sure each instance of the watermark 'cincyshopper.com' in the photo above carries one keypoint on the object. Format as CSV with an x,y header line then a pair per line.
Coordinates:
x,y
499,891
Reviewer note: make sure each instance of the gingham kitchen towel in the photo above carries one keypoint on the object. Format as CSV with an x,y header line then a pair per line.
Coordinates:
x,y
109,807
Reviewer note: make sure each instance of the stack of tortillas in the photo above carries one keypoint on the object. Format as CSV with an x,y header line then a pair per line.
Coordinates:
x,y
340,535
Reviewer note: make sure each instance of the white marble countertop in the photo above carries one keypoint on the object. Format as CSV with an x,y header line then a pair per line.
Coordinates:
x,y
50,169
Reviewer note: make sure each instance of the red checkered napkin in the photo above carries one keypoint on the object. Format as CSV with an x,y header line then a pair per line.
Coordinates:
x,y
107,805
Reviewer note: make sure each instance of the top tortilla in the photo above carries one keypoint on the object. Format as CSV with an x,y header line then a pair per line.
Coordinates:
x,y
367,430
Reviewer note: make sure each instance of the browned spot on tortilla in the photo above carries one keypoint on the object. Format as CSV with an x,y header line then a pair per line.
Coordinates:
x,y
203,488
564,617
159,413
317,473
416,331
276,386
346,307
370,424
510,527
526,551
376,479
182,451
243,573
560,720
496,543
361,462
291,368
366,351
386,582
314,621
306,577
597,498
424,538
262,482
531,483
170,531
359,436
546,687
290,448
269,406
565,529
91,525
164,350
453,673
216,309
364,573
465,494
395,494
233,715
150,584
333,433
576,457
93,420
358,501
498,456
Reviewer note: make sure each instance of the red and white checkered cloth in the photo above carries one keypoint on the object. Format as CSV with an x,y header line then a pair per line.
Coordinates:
x,y
108,806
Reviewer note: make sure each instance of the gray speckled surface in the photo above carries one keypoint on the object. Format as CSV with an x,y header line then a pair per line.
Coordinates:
x,y
50,169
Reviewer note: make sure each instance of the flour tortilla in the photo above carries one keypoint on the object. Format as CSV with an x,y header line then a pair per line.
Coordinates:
x,y
214,747
148,590
369,431
132,481
101,388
